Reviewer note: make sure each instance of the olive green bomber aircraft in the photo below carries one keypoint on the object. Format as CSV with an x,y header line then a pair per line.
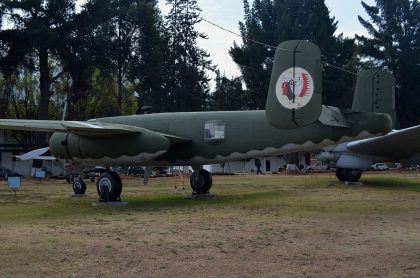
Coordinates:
x,y
294,120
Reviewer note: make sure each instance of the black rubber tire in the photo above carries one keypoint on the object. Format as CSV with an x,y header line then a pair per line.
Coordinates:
x,y
340,173
353,175
109,187
79,186
201,181
350,175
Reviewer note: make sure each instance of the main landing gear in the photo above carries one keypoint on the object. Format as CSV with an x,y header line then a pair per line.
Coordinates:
x,y
108,186
350,175
201,181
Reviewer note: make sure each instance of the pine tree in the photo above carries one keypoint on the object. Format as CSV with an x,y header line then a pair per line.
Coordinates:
x,y
1,15
275,21
147,71
394,44
113,47
228,94
186,64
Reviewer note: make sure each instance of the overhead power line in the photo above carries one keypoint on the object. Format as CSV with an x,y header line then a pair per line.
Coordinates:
x,y
338,68
270,46
243,37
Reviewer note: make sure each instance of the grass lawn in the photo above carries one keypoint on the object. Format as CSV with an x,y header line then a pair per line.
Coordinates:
x,y
264,226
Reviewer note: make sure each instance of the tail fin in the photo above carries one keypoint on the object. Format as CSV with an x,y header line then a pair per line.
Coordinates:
x,y
295,94
375,92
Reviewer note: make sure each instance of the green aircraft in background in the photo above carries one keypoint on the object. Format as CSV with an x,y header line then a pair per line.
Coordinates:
x,y
294,120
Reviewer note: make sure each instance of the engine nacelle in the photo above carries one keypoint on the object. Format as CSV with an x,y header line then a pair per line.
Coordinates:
x,y
354,161
124,148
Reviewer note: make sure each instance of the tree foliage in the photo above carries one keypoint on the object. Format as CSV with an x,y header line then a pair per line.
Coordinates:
x,y
228,94
116,37
186,64
394,44
148,68
275,21
40,30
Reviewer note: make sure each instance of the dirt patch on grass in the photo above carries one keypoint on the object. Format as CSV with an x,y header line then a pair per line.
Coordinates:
x,y
288,227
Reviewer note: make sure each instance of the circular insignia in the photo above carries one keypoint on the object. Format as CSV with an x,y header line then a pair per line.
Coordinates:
x,y
294,88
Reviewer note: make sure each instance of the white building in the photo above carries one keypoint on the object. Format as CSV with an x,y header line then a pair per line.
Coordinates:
x,y
9,148
269,164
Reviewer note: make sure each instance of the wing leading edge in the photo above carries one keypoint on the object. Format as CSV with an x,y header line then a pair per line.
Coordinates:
x,y
76,127
401,143
84,128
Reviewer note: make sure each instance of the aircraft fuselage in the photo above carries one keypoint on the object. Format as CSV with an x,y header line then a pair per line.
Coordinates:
x,y
236,135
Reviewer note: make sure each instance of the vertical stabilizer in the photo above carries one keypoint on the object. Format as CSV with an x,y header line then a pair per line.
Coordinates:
x,y
295,94
375,92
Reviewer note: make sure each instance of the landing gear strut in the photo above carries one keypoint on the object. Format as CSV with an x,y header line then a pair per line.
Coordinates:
x,y
109,187
201,181
350,175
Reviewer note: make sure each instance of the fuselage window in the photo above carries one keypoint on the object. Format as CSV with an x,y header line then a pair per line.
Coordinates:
x,y
214,130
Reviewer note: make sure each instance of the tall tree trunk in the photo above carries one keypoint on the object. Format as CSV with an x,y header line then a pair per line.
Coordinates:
x,y
44,88
5,97
120,90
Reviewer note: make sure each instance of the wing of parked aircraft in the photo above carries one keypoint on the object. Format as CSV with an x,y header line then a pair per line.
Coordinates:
x,y
396,144
85,128
77,127
353,157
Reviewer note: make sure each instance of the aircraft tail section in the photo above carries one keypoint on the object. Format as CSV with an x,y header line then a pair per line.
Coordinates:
x,y
375,92
295,93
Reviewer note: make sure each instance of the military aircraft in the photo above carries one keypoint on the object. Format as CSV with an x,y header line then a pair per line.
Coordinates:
x,y
350,159
294,120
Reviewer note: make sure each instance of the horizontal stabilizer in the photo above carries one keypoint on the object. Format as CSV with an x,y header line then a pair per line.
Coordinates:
x,y
332,116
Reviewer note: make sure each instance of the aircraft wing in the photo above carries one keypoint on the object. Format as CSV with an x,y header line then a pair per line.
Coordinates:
x,y
399,144
85,128
77,127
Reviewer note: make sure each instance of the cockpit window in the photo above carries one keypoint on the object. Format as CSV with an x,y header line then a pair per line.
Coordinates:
x,y
214,130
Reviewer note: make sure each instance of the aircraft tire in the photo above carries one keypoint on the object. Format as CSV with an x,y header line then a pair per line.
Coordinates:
x,y
201,181
340,173
354,175
350,175
79,186
109,187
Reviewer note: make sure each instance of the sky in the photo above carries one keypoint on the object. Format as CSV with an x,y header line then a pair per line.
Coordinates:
x,y
227,13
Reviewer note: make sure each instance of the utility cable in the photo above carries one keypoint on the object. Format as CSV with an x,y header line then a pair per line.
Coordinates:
x,y
271,46
338,68
243,37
